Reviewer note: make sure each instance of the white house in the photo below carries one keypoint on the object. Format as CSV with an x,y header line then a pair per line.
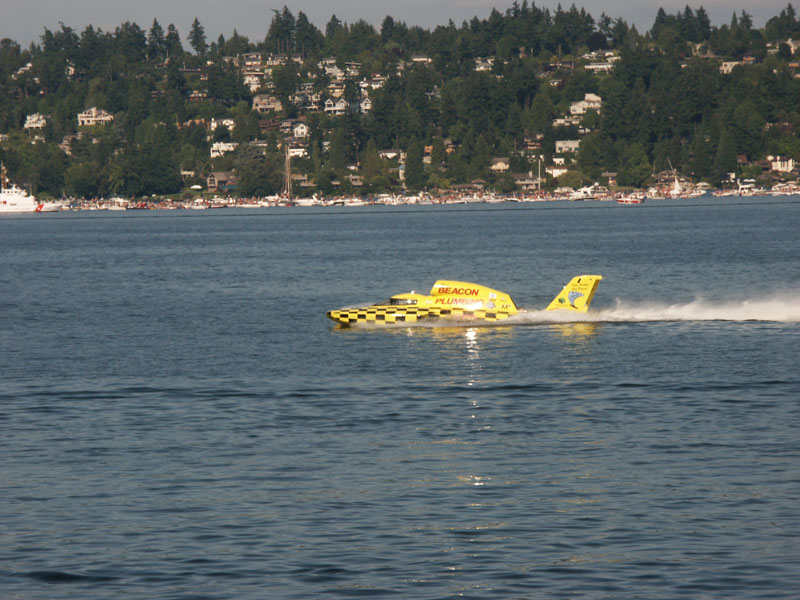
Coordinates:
x,y
35,121
94,116
253,77
556,171
220,148
296,150
564,146
589,102
229,124
484,64
566,121
782,164
727,66
335,107
600,67
499,165
392,154
300,130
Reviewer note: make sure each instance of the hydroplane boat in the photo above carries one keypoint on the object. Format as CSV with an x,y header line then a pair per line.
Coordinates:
x,y
461,301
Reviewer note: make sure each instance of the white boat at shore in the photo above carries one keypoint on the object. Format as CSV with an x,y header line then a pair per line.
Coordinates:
x,y
16,200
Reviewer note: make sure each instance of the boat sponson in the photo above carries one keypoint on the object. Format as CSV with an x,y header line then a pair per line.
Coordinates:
x,y
411,314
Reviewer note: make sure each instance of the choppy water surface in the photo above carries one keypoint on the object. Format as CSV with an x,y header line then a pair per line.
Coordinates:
x,y
180,420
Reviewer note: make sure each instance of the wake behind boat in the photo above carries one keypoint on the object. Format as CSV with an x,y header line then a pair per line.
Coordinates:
x,y
461,301
16,200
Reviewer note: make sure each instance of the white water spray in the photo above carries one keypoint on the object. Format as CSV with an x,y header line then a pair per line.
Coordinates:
x,y
781,308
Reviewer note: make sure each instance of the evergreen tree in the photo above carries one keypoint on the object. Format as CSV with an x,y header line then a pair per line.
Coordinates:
x,y
339,151
542,112
416,179
197,38
156,43
173,42
725,158
635,167
438,153
281,34
308,39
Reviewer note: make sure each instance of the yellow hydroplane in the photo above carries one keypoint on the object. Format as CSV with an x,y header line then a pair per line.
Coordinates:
x,y
461,301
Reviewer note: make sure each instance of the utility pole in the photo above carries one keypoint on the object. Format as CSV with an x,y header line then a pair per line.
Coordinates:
x,y
287,188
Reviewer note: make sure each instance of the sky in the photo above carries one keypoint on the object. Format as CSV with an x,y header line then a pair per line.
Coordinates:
x,y
24,21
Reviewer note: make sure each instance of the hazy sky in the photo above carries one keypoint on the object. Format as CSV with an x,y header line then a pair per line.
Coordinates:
x,y
25,20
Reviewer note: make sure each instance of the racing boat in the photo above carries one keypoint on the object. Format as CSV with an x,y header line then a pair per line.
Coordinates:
x,y
461,301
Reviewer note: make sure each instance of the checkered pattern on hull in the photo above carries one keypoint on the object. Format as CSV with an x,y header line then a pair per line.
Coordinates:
x,y
411,314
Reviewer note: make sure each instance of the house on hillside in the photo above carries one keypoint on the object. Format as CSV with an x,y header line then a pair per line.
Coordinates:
x,y
265,103
335,108
393,154
94,116
229,124
35,121
220,148
727,67
197,96
499,165
296,149
781,164
484,64
300,130
564,146
589,102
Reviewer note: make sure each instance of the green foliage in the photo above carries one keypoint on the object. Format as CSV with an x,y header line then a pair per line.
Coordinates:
x,y
660,104
416,179
82,180
725,158
635,166
197,37
258,173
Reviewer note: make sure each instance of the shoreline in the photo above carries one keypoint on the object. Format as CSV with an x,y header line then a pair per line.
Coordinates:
x,y
217,202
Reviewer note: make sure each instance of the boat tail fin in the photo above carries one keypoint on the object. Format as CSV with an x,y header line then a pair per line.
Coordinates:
x,y
577,294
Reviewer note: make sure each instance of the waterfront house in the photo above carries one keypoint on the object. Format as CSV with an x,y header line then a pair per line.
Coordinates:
x,y
526,181
781,164
221,181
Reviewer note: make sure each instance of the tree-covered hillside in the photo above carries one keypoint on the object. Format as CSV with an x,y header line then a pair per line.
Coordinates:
x,y
709,100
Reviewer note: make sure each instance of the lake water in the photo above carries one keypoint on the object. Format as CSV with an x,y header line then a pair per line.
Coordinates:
x,y
179,419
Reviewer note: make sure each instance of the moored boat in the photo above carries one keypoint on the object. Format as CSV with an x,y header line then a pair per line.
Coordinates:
x,y
16,200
